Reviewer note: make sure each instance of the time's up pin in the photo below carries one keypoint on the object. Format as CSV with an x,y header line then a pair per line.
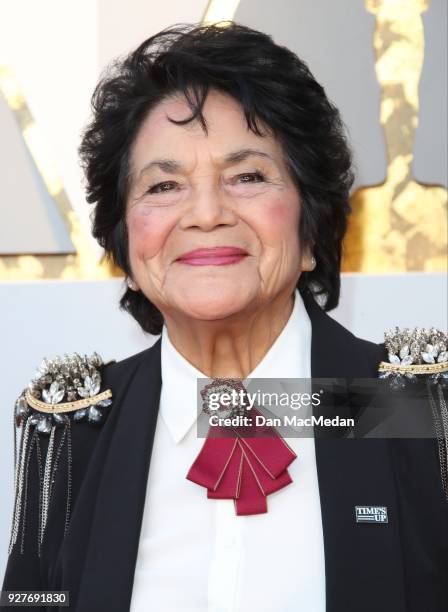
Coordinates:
x,y
371,514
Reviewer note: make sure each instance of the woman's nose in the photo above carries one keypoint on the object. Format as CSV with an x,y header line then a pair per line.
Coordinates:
x,y
207,209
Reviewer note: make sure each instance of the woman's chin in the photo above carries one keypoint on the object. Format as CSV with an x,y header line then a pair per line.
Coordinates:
x,y
211,307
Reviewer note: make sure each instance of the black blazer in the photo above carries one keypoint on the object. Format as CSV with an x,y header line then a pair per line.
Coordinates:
x,y
401,566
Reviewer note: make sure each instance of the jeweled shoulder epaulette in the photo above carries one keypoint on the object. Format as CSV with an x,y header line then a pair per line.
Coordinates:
x,y
64,390
421,355
413,353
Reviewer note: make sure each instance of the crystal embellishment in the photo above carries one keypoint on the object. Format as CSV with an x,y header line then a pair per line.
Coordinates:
x,y
64,389
413,353
222,387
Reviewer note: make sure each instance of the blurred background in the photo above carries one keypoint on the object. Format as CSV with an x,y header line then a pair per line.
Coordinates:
x,y
382,62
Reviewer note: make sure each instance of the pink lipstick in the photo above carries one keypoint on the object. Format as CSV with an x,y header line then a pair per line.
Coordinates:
x,y
215,256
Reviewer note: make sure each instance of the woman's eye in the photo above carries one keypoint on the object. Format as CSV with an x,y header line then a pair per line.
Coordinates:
x,y
167,186
250,176
161,187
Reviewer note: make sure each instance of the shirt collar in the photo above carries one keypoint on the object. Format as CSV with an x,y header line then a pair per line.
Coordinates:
x,y
288,357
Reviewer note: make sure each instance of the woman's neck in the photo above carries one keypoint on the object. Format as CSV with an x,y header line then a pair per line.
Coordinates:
x,y
234,346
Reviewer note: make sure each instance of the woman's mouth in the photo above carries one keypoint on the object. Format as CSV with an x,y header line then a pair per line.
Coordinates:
x,y
214,256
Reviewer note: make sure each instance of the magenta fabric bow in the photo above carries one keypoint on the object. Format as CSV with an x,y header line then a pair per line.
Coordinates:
x,y
234,464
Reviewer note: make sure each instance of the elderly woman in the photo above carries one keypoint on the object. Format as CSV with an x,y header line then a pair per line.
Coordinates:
x,y
220,175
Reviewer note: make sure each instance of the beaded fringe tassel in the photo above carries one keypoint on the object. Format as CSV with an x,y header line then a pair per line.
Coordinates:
x,y
440,416
47,478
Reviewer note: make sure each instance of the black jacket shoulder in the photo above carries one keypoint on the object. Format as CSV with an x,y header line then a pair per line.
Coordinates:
x,y
50,474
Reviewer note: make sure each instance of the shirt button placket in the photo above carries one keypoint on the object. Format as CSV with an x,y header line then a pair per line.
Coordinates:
x,y
225,575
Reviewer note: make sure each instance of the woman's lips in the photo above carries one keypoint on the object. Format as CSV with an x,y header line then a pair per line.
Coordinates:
x,y
217,256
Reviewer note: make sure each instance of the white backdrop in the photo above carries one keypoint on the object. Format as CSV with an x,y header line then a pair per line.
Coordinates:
x,y
57,49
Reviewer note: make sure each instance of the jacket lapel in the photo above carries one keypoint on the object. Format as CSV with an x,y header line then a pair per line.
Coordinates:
x,y
354,472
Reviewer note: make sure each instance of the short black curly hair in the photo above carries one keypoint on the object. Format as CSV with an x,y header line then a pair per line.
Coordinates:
x,y
272,84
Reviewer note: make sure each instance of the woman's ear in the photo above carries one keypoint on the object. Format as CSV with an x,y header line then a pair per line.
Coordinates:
x,y
131,284
308,261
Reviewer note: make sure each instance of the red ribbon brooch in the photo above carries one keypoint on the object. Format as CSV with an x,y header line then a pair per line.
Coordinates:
x,y
245,462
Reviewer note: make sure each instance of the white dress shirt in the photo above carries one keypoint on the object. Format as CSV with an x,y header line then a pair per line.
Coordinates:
x,y
195,554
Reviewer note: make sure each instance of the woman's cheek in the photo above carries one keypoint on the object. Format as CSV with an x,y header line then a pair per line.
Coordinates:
x,y
279,217
145,235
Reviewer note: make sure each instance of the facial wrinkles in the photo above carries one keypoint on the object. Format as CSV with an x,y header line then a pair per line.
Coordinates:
x,y
277,208
161,231
274,262
203,171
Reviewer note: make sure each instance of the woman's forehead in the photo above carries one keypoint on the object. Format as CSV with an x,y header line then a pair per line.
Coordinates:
x,y
216,102
227,134
223,114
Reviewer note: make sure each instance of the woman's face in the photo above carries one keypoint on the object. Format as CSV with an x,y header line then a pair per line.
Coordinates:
x,y
189,190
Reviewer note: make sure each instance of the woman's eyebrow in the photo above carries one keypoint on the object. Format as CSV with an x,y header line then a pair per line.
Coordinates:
x,y
171,166
242,154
